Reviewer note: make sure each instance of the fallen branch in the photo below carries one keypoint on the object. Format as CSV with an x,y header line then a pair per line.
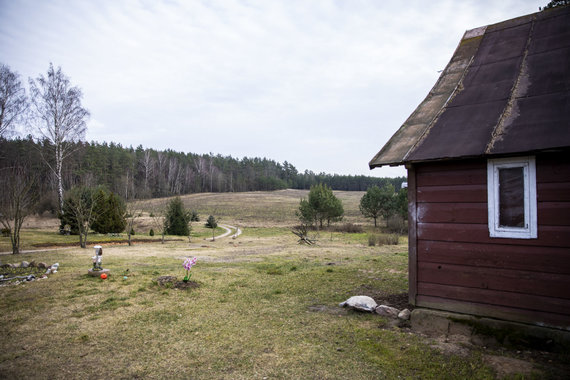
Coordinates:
x,y
303,238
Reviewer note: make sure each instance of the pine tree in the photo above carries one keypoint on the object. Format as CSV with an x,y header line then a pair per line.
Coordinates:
x,y
177,218
321,205
378,202
111,213
212,223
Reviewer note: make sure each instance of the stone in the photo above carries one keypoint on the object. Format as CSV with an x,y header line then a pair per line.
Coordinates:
x,y
404,314
361,303
42,265
33,264
24,264
387,311
97,273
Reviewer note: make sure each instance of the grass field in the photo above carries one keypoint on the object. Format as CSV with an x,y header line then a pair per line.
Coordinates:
x,y
263,306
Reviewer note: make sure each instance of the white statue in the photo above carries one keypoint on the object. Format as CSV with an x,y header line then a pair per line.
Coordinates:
x,y
98,258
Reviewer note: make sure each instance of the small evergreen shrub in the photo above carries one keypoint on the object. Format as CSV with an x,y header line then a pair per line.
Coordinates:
x,y
177,218
151,232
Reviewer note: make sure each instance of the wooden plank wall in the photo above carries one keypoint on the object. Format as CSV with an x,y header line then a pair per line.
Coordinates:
x,y
460,268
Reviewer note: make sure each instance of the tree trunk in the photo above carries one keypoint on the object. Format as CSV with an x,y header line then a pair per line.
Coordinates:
x,y
58,165
15,238
82,237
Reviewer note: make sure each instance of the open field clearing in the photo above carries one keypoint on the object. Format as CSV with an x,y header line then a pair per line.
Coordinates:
x,y
258,208
258,306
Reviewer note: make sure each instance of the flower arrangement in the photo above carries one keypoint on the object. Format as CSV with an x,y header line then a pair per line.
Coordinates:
x,y
188,264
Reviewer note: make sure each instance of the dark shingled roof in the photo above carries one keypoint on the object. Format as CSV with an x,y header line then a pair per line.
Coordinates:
x,y
505,91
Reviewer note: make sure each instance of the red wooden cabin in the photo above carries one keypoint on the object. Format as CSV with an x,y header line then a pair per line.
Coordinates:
x,y
488,159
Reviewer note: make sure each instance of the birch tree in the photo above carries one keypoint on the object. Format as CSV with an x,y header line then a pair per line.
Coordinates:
x,y
13,100
59,119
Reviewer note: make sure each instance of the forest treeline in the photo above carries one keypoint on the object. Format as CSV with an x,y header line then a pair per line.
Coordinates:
x,y
148,173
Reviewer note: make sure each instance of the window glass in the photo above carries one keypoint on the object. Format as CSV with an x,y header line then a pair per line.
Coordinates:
x,y
511,197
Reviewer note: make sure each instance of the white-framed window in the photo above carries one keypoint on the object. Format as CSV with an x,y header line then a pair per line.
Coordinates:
x,y
511,195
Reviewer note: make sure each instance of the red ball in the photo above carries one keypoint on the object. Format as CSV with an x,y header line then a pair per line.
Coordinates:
x,y
103,275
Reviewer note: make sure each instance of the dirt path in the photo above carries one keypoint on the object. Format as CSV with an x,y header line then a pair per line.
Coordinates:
x,y
229,229
37,250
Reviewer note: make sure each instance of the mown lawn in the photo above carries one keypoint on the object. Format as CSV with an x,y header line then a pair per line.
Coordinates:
x,y
265,308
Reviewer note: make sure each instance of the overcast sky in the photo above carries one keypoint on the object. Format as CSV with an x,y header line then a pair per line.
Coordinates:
x,y
320,84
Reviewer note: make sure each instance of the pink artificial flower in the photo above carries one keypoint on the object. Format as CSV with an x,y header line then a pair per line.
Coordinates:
x,y
189,263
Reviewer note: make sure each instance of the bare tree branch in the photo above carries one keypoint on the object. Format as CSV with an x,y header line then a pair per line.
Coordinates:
x,y
13,100
18,200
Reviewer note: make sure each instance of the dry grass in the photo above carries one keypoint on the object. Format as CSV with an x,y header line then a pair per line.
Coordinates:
x,y
257,209
265,307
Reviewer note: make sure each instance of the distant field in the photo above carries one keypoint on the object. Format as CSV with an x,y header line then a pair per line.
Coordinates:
x,y
258,208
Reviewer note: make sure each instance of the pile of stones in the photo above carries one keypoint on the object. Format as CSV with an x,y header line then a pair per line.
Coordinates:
x,y
20,268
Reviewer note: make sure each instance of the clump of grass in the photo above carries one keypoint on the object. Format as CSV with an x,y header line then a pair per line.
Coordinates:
x,y
271,269
111,303
350,228
383,239
274,271
397,224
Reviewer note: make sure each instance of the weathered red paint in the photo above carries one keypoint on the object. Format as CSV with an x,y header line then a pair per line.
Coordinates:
x,y
456,265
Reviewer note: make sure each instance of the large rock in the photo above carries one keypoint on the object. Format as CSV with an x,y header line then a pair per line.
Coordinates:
x,y
362,303
387,311
90,272
404,314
